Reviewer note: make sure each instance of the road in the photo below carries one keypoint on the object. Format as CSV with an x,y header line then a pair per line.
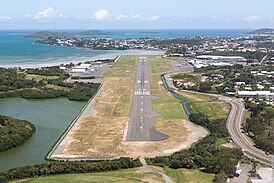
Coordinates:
x,y
141,123
234,123
264,58
147,168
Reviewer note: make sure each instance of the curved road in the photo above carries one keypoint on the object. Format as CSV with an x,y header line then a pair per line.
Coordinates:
x,y
234,123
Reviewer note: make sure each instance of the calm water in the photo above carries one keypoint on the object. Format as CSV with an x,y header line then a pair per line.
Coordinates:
x,y
15,50
51,117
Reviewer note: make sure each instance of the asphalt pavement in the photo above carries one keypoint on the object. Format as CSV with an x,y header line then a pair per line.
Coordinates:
x,y
141,124
234,124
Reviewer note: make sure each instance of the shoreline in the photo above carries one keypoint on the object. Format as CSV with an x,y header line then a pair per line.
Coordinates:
x,y
59,62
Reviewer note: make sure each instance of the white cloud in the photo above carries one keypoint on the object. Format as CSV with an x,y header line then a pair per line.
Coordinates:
x,y
126,17
4,18
136,16
154,18
48,13
251,18
122,17
101,14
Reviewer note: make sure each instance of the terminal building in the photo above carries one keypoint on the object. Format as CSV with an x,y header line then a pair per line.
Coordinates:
x,y
255,94
221,58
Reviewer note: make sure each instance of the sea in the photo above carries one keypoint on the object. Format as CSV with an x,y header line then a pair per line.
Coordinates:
x,y
17,51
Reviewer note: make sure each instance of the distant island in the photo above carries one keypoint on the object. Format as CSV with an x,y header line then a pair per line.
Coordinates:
x,y
47,34
95,33
267,31
149,33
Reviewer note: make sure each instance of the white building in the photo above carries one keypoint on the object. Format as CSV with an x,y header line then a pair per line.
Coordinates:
x,y
81,68
222,58
255,94
265,176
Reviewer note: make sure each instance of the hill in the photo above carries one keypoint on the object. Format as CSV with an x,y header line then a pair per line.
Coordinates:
x,y
95,33
262,31
47,34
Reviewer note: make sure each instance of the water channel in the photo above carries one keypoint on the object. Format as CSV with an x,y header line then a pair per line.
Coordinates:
x,y
51,117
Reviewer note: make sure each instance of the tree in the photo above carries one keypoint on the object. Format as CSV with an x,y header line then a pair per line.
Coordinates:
x,y
205,86
221,177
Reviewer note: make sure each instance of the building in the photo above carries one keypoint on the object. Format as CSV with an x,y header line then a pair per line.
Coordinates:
x,y
81,68
264,176
221,58
255,94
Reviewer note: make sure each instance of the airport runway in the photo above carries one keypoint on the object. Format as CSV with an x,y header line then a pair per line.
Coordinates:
x,y
141,123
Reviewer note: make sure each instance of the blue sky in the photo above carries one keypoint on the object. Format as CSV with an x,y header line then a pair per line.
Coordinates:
x,y
141,14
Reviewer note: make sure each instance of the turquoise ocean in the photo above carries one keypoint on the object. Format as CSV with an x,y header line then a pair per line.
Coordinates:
x,y
17,51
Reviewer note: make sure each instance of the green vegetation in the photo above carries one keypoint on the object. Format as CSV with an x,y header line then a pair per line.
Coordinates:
x,y
222,79
14,132
192,82
248,55
187,77
47,71
125,67
47,34
54,168
170,108
204,154
159,65
119,176
262,31
188,175
260,125
166,104
95,33
207,154
43,83
208,105
38,78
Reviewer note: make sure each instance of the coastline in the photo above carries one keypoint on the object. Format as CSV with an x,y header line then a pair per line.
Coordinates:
x,y
87,58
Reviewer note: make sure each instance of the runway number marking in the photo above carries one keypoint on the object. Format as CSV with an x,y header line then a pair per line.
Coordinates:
x,y
142,93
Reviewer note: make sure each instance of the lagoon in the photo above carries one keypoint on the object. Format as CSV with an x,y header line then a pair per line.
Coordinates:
x,y
50,116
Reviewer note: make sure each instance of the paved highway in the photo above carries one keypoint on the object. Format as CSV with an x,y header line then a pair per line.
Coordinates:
x,y
141,123
234,123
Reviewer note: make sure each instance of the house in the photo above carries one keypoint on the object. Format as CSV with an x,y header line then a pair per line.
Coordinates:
x,y
240,83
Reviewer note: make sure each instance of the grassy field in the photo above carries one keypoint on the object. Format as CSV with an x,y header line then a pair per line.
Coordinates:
x,y
125,67
173,119
127,176
201,103
159,65
108,123
120,176
166,104
110,115
39,77
188,176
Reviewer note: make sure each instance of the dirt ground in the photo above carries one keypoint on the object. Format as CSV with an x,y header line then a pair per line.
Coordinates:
x,y
102,134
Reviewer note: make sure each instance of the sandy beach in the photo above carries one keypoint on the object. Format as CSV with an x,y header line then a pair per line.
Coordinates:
x,y
65,60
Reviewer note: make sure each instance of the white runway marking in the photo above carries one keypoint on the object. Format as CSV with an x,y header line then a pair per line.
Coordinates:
x,y
142,93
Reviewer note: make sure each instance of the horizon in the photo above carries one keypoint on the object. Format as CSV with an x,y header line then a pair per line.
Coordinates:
x,y
122,14
128,29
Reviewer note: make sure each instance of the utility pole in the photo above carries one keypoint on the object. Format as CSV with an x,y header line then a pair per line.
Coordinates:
x,y
273,167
